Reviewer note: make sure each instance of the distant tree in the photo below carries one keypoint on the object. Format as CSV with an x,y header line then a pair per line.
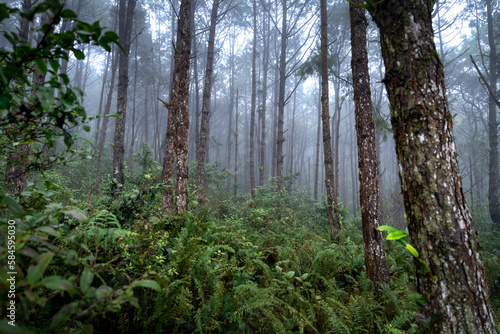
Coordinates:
x,y
452,281
375,260
178,117
207,91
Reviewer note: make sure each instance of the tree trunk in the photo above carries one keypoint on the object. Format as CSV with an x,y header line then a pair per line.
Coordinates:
x,y
253,102
263,108
178,117
125,31
331,198
131,152
207,90
102,136
281,99
375,260
438,218
318,144
236,145
494,177
231,108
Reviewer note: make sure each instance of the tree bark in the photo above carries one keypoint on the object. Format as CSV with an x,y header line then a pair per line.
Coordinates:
x,y
375,260
178,117
439,222
263,108
126,11
331,198
253,102
281,99
207,90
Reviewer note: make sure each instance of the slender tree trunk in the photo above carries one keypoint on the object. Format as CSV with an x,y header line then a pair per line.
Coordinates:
x,y
236,145
375,260
253,102
131,152
178,117
439,222
125,31
102,136
318,144
494,177
231,108
263,108
331,198
101,99
281,99
207,90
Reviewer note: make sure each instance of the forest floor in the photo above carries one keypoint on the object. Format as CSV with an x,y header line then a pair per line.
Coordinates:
x,y
112,263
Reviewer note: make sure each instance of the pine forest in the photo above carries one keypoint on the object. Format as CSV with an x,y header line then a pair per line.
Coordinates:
x,y
249,166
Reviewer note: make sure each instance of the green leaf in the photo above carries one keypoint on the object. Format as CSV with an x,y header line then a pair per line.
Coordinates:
x,y
63,315
412,250
42,66
75,213
54,64
290,274
68,14
147,284
78,54
35,272
87,329
5,101
86,279
111,115
48,230
14,207
86,128
57,283
387,228
396,235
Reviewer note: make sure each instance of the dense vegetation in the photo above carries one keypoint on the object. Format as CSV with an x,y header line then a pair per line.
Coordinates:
x,y
114,263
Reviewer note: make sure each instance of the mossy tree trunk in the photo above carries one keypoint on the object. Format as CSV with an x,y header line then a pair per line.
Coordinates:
x,y
438,219
375,260
178,117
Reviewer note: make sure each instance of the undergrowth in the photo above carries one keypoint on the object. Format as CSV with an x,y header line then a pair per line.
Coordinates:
x,y
229,265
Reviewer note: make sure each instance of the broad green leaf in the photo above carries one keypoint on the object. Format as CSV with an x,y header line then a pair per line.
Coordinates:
x,y
68,14
290,274
35,272
54,64
75,213
86,128
147,284
412,250
78,54
48,230
86,279
111,115
396,235
42,66
14,207
56,283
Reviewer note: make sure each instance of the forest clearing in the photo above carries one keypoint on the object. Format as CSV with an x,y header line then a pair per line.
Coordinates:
x,y
255,166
